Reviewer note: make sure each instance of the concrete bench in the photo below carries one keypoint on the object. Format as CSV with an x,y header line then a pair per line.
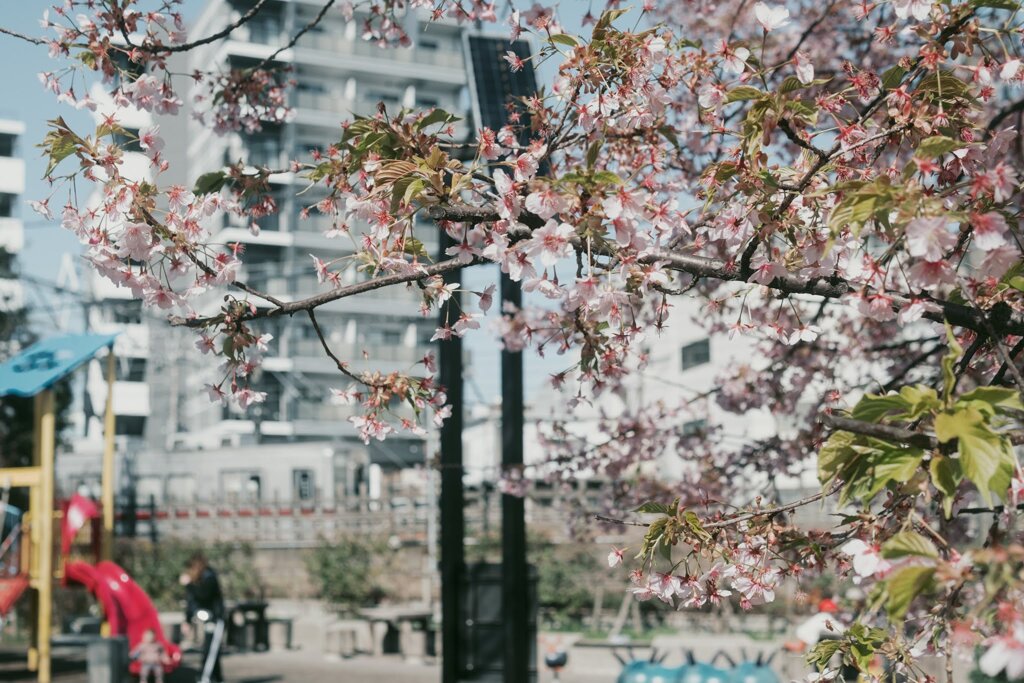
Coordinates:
x,y
280,630
341,638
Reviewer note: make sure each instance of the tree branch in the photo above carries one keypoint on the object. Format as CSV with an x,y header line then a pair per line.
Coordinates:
x,y
896,434
185,47
22,36
292,307
972,318
739,519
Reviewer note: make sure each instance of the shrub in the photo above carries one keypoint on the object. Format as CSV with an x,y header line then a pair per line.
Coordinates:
x,y
348,572
156,568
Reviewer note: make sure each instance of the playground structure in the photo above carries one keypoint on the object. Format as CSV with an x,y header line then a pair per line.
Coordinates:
x,y
27,551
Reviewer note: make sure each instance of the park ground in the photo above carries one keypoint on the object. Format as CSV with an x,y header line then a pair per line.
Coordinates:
x,y
586,664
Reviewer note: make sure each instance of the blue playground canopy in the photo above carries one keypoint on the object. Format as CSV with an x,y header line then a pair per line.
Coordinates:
x,y
48,361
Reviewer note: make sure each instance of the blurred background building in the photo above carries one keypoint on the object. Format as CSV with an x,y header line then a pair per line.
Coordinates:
x,y
12,231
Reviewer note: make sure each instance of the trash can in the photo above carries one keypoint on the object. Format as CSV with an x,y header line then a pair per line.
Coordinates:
x,y
248,628
107,660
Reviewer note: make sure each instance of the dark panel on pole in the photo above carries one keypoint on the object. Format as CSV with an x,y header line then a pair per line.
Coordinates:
x,y
452,522
495,85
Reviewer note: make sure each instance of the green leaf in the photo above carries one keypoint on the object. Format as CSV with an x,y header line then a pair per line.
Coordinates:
x,y
986,458
669,134
436,116
904,586
822,653
210,182
946,477
892,77
854,211
693,521
936,146
922,400
999,397
908,544
564,39
834,454
949,364
873,408
892,464
997,4
652,507
607,177
592,152
1017,282
744,92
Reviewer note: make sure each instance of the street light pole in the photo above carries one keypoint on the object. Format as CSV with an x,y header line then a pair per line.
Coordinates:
x,y
514,580
452,520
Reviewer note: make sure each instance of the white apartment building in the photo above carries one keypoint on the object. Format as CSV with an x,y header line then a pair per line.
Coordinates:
x,y
12,231
336,73
109,308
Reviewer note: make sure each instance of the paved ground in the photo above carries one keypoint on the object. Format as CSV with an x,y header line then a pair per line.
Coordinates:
x,y
586,665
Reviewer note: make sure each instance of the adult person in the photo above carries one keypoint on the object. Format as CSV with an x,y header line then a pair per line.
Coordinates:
x,y
204,603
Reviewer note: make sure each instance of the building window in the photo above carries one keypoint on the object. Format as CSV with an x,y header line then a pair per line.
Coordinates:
x,y
696,353
7,202
303,487
128,312
695,428
130,425
8,144
131,369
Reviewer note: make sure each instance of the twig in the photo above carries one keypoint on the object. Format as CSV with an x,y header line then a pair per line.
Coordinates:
x,y
739,519
1001,349
22,36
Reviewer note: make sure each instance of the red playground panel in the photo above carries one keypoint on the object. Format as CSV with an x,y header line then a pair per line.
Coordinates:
x,y
128,609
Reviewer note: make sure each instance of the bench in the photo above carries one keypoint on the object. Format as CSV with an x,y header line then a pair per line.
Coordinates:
x,y
280,629
341,638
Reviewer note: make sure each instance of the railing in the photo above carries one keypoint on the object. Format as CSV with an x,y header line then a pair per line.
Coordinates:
x,y
354,352
304,523
338,44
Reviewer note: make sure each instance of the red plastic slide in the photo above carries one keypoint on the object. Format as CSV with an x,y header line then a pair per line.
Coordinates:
x,y
128,609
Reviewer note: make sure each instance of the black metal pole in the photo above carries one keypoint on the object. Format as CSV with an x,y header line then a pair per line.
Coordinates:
x,y
452,521
514,582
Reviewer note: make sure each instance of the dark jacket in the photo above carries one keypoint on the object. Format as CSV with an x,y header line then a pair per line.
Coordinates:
x,y
204,594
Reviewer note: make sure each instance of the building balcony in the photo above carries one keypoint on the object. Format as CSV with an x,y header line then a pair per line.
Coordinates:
x,y
12,235
12,175
12,296
337,43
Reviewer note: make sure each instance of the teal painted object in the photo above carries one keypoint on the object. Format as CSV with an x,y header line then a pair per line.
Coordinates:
x,y
757,671
653,670
46,362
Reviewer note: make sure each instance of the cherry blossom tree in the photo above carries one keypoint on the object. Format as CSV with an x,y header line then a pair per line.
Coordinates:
x,y
837,181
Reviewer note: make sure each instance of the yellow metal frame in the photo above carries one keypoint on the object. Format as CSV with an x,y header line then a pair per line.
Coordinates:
x,y
39,479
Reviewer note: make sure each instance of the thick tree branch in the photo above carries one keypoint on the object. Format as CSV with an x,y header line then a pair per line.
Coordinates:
x,y
895,434
301,305
185,47
973,318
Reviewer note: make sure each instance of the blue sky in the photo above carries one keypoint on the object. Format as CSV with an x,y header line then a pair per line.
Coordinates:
x,y
46,243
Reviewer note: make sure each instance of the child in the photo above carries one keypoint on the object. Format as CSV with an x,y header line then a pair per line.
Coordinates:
x,y
151,656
